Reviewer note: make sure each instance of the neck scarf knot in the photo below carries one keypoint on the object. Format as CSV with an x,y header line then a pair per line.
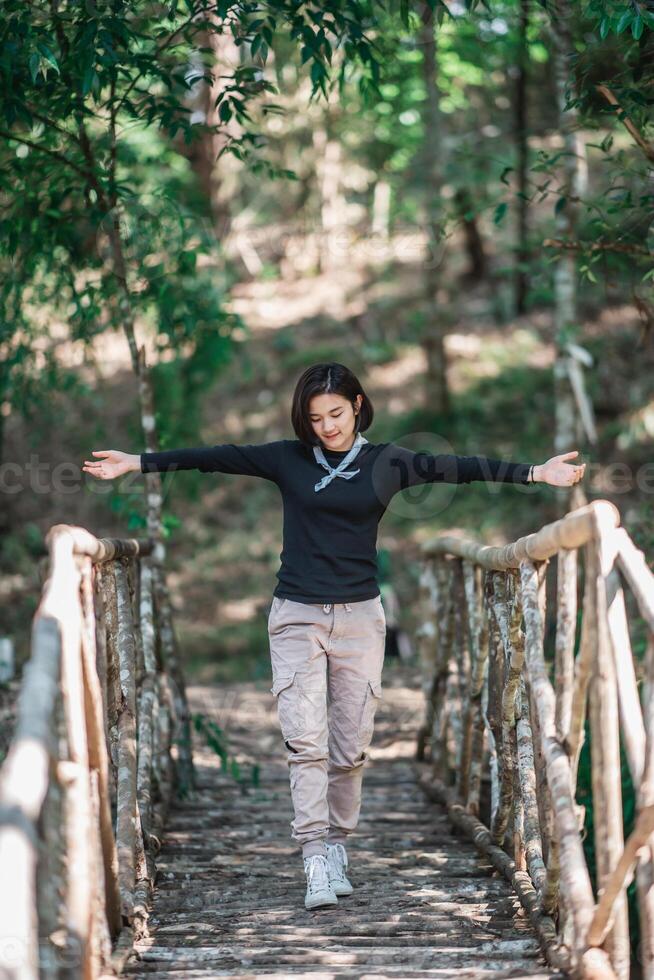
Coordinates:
x,y
339,470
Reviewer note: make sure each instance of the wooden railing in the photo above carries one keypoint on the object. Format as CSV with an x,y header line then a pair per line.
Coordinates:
x,y
102,742
509,685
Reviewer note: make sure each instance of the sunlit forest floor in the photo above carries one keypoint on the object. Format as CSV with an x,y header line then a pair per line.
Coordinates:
x,y
223,556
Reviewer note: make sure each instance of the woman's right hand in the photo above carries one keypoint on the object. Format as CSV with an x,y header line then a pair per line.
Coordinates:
x,y
113,464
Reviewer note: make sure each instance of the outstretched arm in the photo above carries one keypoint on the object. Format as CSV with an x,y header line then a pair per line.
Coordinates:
x,y
400,468
263,460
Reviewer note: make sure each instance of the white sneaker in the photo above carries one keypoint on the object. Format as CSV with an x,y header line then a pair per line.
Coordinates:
x,y
319,889
337,863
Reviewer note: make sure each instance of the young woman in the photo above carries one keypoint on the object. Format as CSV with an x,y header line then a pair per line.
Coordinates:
x,y
326,624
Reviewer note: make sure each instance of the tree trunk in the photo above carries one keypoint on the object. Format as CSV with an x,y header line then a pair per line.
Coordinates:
x,y
522,155
203,152
381,209
474,243
333,218
568,429
436,393
184,770
565,295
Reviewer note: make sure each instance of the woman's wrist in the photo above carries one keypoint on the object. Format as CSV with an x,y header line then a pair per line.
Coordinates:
x,y
135,462
535,473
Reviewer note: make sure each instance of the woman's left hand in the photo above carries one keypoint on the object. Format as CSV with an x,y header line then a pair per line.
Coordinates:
x,y
558,473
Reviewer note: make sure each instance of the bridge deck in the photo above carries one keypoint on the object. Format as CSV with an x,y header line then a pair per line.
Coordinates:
x,y
229,898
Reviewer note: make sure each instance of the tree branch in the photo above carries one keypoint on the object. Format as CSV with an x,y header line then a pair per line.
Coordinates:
x,y
646,147
62,158
52,125
155,55
596,247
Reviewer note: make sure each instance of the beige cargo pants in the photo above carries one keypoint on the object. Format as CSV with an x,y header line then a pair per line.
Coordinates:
x,y
327,665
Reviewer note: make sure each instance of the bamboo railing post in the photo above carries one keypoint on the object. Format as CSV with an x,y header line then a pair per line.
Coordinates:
x,y
528,787
632,564
23,787
606,769
148,696
102,912
543,791
133,582
575,879
645,869
566,623
519,815
493,708
97,749
51,866
109,629
511,660
445,626
74,775
461,662
479,687
470,614
425,637
566,615
126,812
100,629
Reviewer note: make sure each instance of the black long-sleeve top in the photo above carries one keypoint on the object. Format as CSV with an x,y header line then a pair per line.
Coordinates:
x,y
329,551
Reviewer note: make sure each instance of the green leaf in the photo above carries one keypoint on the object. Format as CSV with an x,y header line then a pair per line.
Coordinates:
x,y
637,27
48,55
624,21
88,80
34,62
560,204
317,73
500,211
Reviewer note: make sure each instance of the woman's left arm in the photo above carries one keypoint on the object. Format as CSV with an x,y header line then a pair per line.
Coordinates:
x,y
398,468
557,472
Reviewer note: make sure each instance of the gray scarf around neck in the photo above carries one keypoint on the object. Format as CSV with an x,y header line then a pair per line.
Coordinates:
x,y
332,471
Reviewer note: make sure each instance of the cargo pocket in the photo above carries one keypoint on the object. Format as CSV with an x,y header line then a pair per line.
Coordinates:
x,y
371,702
290,705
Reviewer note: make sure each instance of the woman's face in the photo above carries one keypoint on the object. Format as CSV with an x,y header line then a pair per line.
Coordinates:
x,y
332,418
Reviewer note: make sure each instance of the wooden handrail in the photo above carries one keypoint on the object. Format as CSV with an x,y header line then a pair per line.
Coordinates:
x,y
507,707
93,763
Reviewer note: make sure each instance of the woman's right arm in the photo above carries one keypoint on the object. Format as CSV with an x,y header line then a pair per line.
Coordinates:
x,y
262,459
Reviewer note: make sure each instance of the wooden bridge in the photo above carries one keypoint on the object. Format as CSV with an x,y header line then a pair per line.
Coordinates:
x,y
145,826
230,893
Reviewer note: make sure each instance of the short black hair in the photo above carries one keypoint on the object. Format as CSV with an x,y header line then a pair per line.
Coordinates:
x,y
320,379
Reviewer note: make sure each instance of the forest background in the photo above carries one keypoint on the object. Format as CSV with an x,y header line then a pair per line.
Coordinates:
x,y
198,200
